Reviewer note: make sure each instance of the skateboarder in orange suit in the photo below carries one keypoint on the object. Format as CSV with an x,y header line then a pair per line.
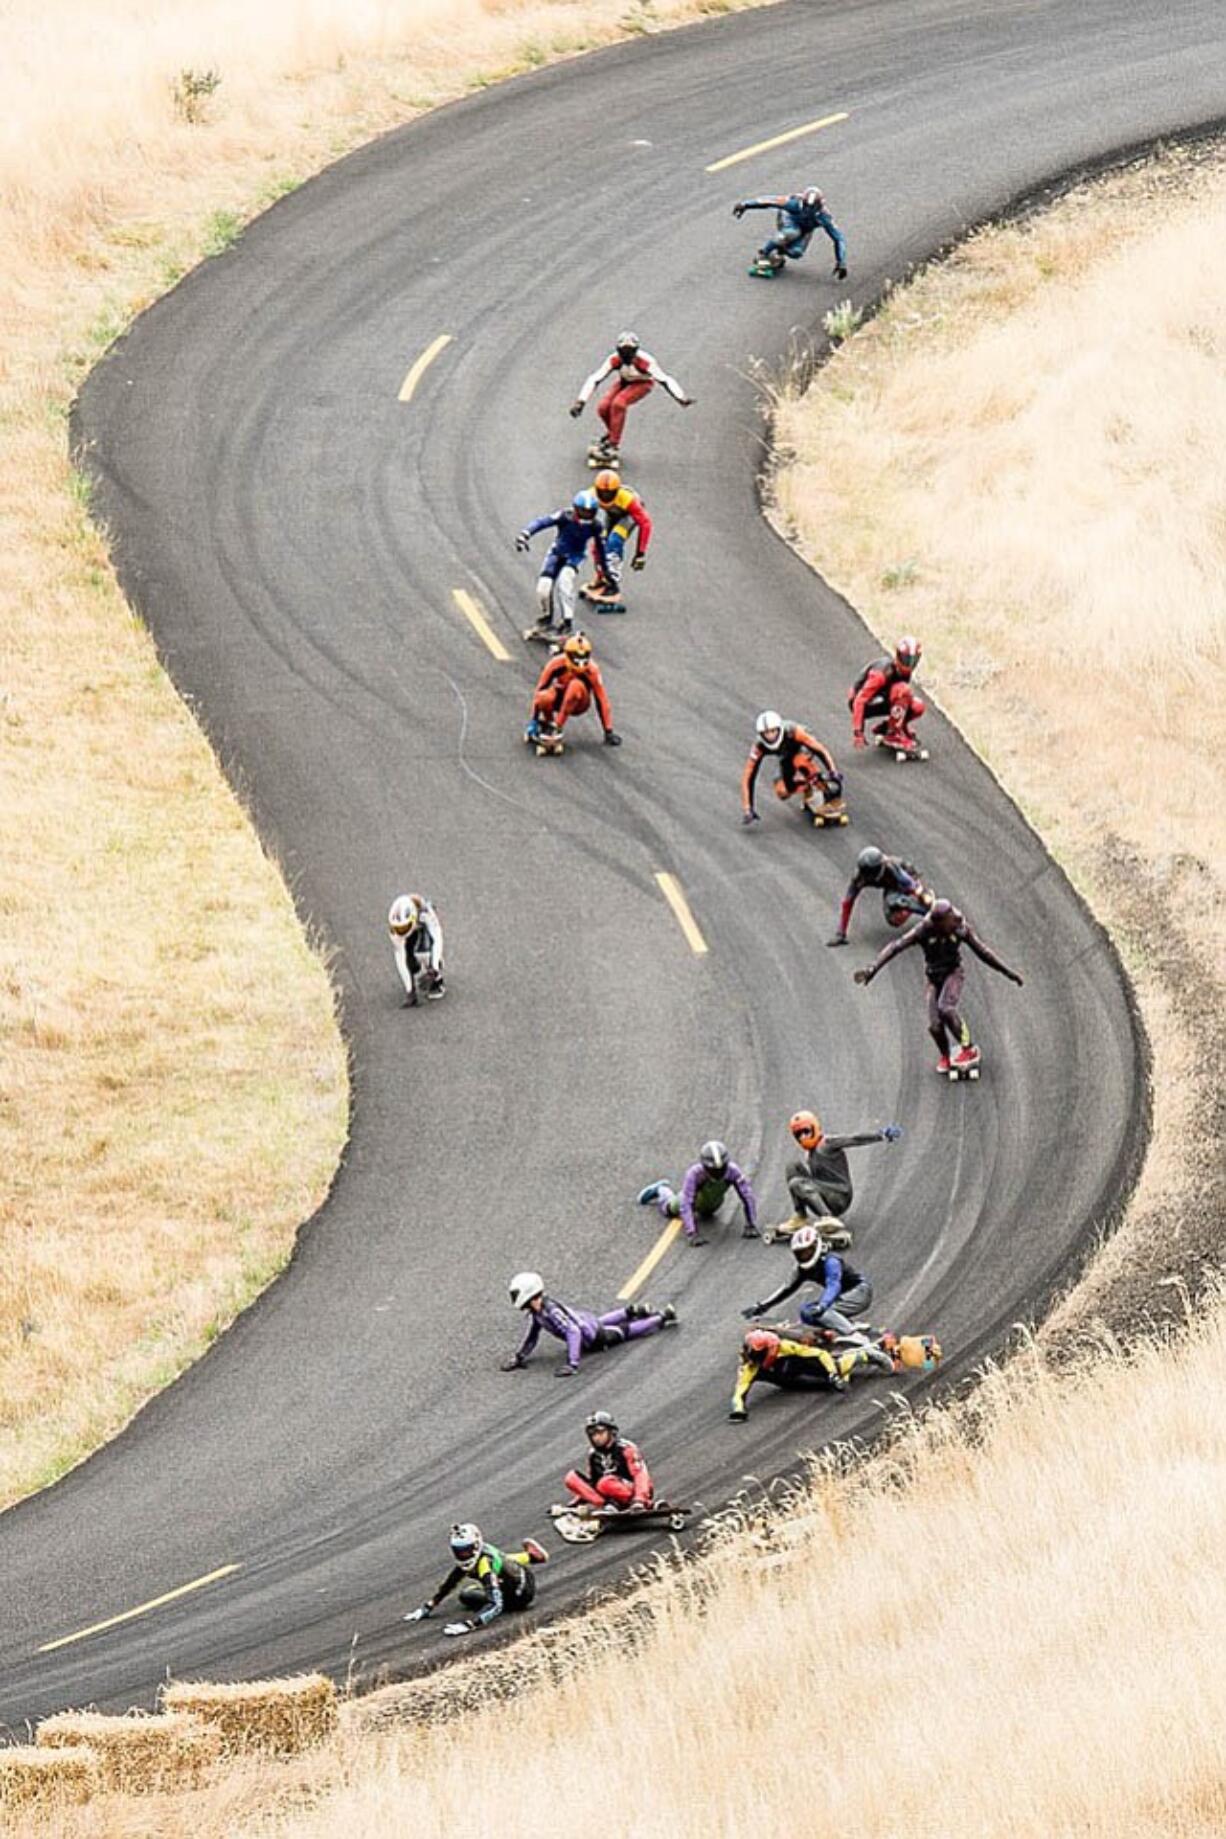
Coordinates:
x,y
567,686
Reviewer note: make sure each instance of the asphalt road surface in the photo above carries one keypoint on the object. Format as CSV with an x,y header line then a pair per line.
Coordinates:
x,y
293,534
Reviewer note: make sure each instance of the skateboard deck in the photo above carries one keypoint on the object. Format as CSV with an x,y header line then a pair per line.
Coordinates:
x,y
579,1524
601,602
901,754
840,1241
763,271
831,815
544,635
545,743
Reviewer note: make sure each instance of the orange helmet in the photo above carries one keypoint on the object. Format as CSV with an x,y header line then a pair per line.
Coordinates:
x,y
607,485
806,1127
760,1345
578,651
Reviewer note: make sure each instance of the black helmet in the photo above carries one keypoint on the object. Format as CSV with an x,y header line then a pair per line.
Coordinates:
x,y
601,1420
714,1156
869,860
945,915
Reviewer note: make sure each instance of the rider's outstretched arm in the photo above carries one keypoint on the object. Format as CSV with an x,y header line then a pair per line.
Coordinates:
x,y
597,376
911,937
971,937
827,223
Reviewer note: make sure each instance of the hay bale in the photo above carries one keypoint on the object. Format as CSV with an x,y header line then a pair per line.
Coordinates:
x,y
137,1754
276,1717
34,1780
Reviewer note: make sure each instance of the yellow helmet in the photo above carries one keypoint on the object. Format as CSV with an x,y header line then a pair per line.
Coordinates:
x,y
607,485
578,651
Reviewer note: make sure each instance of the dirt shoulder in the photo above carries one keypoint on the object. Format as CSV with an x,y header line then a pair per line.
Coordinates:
x,y
1013,460
173,1101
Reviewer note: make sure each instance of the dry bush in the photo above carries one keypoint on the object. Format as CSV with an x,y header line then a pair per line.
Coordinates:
x,y
279,1717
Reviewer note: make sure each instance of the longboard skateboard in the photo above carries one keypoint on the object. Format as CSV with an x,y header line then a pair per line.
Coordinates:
x,y
901,754
546,742
957,1073
601,602
839,1241
832,814
579,1524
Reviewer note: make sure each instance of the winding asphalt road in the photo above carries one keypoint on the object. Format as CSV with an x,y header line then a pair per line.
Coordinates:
x,y
293,533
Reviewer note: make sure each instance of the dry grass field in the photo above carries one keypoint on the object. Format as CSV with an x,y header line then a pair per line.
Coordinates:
x,y
173,1089
1008,1624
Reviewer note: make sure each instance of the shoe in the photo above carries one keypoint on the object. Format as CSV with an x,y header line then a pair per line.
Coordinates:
x,y
668,1316
651,1192
437,990
536,1553
943,1064
637,1312
533,731
410,1001
750,1232
839,1384
969,1056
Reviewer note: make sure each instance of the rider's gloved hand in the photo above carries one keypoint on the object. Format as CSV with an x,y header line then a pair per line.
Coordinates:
x,y
565,1370
639,564
750,817
1014,977
738,210
522,541
694,1238
866,975
459,1628
840,938
511,1364
840,271
611,739
858,741
576,407
753,1312
419,1615
891,1132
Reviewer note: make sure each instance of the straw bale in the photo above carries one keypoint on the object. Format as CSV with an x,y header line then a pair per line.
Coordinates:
x,y
137,1754
274,1716
36,1780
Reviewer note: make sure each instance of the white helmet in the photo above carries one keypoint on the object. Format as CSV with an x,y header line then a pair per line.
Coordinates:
x,y
807,1246
405,913
770,722
524,1287
467,1545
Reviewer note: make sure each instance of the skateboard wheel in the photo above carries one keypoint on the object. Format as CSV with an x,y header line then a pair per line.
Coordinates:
x,y
676,1522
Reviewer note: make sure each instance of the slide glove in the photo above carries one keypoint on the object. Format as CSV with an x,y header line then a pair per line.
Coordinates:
x,y
522,541
565,1370
419,1615
890,1133
695,1238
1016,978
753,1312
611,739
840,271
459,1628
840,938
639,564
858,741
866,975
511,1364
738,210
576,407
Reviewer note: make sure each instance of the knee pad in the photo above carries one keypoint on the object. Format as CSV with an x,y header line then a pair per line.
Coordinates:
x,y
918,705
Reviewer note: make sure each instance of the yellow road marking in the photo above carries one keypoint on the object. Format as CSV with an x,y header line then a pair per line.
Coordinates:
x,y
650,1261
777,140
141,1609
423,364
476,618
670,887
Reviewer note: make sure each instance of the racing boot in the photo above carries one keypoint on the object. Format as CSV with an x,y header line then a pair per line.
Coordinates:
x,y
535,1554
659,1191
668,1316
967,1056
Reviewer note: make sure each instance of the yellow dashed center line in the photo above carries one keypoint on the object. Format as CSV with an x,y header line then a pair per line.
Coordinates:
x,y
650,1262
670,887
477,620
422,365
777,140
128,1615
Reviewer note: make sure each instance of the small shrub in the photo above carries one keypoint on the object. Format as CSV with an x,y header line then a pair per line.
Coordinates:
x,y
641,19
223,229
191,91
841,321
900,574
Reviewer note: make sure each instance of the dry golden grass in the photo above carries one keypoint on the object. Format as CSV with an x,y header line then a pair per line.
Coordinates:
x,y
173,1092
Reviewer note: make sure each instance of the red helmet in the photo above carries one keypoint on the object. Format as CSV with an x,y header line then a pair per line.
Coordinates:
x,y
907,654
760,1345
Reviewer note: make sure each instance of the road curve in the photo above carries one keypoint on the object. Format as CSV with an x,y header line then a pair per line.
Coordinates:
x,y
293,533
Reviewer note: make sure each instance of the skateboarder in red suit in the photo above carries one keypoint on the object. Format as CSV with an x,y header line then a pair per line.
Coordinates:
x,y
877,692
635,374
567,686
617,1475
